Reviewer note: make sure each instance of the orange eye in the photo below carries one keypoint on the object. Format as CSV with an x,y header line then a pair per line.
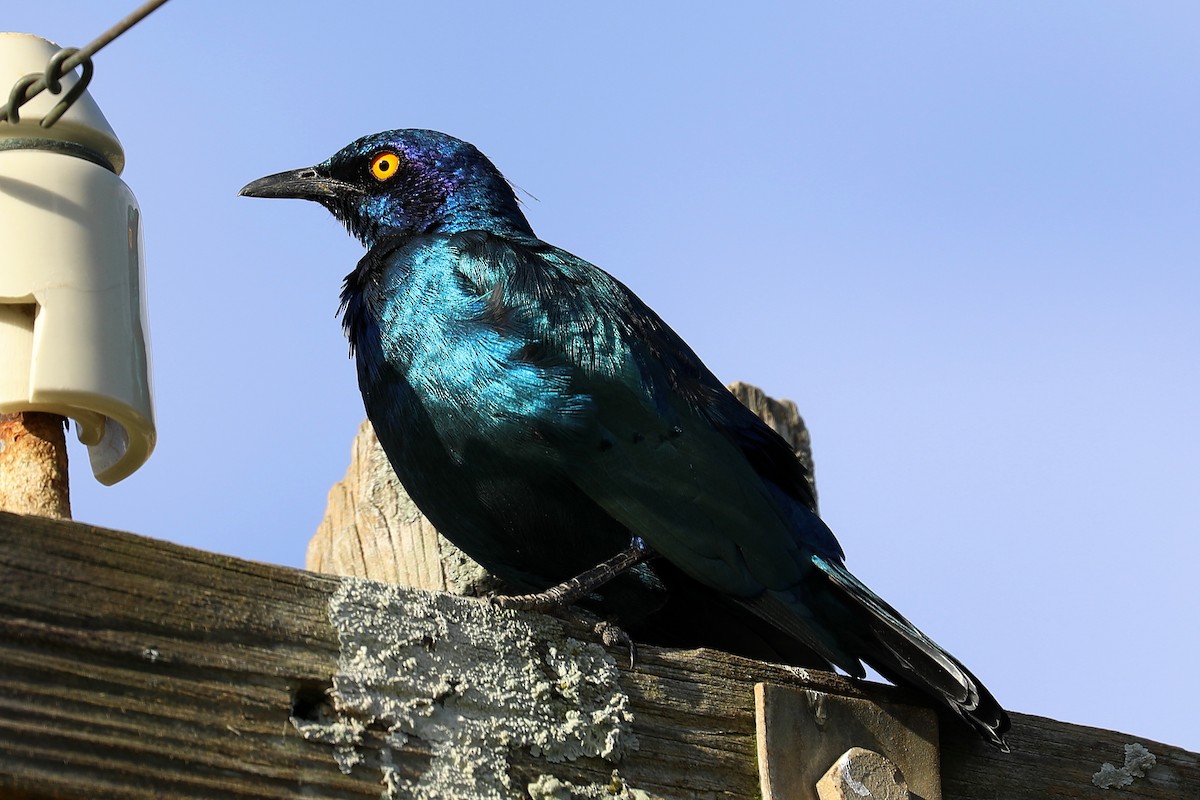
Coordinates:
x,y
383,165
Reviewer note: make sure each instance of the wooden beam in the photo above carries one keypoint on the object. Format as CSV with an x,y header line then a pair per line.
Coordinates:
x,y
133,668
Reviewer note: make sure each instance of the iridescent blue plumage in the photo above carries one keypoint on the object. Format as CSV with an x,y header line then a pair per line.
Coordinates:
x,y
540,415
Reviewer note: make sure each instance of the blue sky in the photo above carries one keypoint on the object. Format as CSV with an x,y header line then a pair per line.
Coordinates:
x,y
961,236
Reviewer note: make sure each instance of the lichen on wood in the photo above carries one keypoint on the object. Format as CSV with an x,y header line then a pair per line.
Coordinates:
x,y
134,669
1138,760
470,682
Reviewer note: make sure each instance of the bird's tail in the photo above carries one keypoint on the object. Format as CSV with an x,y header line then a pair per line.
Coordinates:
x,y
897,650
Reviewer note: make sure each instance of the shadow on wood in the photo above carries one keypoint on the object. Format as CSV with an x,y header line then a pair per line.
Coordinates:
x,y
134,668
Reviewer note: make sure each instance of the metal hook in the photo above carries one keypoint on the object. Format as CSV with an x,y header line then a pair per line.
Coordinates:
x,y
54,74
54,69
52,78
17,98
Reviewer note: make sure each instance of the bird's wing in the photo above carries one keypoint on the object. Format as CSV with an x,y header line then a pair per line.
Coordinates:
x,y
669,451
674,457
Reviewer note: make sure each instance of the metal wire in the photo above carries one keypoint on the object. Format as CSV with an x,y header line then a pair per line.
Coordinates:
x,y
30,86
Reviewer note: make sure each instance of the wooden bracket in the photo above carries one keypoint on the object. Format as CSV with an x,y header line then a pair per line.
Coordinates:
x,y
818,746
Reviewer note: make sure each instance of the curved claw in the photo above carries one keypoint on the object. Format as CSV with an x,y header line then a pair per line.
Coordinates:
x,y
612,636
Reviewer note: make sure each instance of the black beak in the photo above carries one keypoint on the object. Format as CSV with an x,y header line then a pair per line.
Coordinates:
x,y
303,184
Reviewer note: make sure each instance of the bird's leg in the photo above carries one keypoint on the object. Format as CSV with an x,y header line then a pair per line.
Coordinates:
x,y
582,584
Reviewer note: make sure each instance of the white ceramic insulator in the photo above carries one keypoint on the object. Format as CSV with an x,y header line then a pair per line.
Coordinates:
x,y
73,334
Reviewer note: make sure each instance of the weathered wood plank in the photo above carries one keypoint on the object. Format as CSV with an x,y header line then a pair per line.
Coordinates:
x,y
129,668
134,668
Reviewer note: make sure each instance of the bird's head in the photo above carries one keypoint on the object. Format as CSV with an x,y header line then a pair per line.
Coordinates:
x,y
404,182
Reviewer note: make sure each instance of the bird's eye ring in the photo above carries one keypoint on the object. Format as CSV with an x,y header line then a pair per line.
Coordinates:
x,y
384,165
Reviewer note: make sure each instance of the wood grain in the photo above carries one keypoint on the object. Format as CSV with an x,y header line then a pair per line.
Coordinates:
x,y
133,668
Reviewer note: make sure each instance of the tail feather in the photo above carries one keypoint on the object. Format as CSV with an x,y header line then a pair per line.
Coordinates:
x,y
901,653
781,610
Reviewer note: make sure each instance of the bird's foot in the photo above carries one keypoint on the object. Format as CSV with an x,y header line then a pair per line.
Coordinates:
x,y
557,598
582,584
610,634
613,636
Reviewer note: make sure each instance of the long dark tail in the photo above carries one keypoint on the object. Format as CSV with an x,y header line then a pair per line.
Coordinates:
x,y
904,655
842,621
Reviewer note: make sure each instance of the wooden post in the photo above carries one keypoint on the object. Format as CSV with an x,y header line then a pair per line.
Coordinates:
x,y
33,465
